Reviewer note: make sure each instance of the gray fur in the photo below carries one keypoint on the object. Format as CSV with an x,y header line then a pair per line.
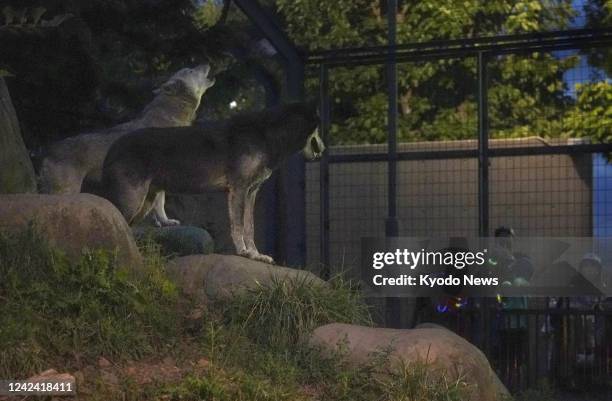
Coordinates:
x,y
237,155
71,161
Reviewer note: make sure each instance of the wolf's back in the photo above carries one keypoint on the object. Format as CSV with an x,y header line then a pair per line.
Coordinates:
x,y
71,160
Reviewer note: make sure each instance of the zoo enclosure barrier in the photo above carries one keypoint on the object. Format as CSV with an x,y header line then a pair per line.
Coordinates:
x,y
569,348
467,187
488,163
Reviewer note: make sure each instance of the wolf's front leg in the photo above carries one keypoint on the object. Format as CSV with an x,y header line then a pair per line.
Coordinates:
x,y
249,227
236,203
159,211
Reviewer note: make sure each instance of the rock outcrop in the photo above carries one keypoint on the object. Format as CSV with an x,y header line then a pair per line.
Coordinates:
x,y
72,223
178,240
16,171
222,276
443,350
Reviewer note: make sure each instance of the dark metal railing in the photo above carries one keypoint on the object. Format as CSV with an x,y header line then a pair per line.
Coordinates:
x,y
444,49
568,348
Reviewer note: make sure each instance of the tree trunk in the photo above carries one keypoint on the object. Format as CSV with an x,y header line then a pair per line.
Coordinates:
x,y
16,170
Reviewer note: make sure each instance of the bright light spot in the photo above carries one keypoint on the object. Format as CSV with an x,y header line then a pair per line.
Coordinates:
x,y
233,104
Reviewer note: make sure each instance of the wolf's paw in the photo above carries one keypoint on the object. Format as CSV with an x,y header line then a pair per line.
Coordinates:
x,y
264,258
170,222
252,254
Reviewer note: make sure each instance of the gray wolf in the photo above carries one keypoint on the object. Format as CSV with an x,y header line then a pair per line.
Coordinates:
x,y
69,163
237,155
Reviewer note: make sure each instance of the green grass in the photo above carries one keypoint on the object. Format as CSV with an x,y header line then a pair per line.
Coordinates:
x,y
56,311
283,312
62,314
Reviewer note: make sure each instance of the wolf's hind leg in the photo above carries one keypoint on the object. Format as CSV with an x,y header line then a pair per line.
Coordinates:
x,y
128,196
159,211
147,206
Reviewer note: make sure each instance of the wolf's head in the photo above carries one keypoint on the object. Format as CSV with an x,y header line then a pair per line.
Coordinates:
x,y
192,82
314,146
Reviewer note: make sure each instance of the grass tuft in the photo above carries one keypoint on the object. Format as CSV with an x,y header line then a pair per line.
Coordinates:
x,y
281,313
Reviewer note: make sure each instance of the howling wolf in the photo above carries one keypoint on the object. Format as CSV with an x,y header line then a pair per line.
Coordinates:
x,y
237,155
72,161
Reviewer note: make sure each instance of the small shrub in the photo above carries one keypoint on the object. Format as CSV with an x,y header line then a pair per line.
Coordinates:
x,y
282,313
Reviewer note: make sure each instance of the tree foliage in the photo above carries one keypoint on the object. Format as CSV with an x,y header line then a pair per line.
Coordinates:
x,y
100,66
437,99
592,115
599,14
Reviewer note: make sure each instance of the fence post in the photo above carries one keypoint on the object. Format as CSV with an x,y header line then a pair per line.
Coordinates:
x,y
483,147
325,115
391,224
393,305
483,183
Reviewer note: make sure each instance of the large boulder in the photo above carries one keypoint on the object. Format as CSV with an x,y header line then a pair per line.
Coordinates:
x,y
445,351
178,240
72,223
16,171
223,276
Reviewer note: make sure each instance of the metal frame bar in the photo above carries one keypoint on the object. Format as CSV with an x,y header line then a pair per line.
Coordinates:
x,y
393,313
263,21
483,146
391,224
473,153
325,115
478,41
526,43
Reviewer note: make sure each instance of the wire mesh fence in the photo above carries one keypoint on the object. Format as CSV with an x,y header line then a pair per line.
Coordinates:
x,y
522,143
548,126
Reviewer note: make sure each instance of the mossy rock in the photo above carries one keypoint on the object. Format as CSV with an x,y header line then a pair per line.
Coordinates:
x,y
178,240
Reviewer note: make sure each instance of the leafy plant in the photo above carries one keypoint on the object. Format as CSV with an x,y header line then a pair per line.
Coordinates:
x,y
592,116
437,99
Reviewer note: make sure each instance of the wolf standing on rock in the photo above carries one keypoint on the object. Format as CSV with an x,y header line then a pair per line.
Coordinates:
x,y
74,160
237,155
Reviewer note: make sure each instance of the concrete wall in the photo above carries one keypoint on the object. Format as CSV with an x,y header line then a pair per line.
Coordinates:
x,y
549,195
